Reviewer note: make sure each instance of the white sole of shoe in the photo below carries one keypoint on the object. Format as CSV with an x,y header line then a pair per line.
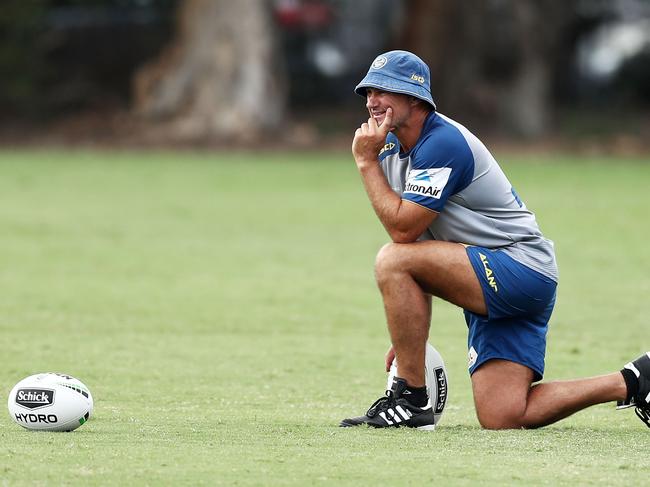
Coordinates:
x,y
428,427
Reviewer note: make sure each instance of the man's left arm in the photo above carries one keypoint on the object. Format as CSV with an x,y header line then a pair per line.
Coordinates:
x,y
403,220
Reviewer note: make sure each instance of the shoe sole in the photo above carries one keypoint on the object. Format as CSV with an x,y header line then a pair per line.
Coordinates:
x,y
427,427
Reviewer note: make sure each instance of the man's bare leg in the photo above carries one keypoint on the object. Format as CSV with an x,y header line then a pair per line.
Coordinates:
x,y
503,391
406,273
504,398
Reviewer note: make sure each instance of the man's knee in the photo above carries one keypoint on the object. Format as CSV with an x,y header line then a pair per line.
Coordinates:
x,y
389,260
501,417
501,390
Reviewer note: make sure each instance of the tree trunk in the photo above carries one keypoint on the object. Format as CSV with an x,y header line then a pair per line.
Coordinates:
x,y
490,60
221,77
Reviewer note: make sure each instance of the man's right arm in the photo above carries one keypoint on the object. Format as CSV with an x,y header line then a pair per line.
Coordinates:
x,y
403,220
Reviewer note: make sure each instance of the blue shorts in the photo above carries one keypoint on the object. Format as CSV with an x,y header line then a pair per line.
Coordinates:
x,y
519,302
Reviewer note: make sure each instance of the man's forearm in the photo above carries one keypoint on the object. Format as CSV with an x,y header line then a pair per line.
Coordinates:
x,y
403,222
385,202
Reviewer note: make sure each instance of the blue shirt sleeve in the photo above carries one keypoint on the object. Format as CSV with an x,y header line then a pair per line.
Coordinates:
x,y
442,165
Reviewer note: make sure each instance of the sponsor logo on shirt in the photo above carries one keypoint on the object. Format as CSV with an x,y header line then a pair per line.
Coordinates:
x,y
427,182
389,146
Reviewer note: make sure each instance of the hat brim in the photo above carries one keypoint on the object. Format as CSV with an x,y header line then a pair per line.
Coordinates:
x,y
386,83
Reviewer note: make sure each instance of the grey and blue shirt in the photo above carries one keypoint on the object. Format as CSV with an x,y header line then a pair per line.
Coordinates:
x,y
451,172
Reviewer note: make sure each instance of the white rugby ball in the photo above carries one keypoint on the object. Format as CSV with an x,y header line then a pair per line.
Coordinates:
x,y
50,402
435,376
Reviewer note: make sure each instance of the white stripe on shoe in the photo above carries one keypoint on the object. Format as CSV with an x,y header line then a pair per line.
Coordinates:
x,y
383,416
630,366
405,414
396,417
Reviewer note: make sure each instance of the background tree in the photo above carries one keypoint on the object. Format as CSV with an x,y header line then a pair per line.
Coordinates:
x,y
491,59
221,77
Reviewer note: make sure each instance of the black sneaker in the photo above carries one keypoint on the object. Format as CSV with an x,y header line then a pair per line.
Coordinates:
x,y
393,411
641,400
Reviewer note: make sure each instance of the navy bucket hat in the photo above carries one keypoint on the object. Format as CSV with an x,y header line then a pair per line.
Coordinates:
x,y
398,72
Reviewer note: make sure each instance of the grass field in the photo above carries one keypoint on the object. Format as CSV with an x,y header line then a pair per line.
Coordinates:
x,y
223,312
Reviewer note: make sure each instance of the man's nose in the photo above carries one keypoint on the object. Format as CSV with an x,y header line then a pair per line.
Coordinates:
x,y
371,100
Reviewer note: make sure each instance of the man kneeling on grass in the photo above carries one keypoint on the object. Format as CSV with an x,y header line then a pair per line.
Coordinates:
x,y
461,232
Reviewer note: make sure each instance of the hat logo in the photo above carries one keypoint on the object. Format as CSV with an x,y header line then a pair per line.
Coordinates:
x,y
379,63
418,78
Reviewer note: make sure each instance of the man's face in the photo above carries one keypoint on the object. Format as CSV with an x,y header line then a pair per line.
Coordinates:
x,y
377,101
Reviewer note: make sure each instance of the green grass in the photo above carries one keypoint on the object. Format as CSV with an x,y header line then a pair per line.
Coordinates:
x,y
223,312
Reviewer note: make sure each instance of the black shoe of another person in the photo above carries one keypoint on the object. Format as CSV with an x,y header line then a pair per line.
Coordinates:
x,y
641,400
394,411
